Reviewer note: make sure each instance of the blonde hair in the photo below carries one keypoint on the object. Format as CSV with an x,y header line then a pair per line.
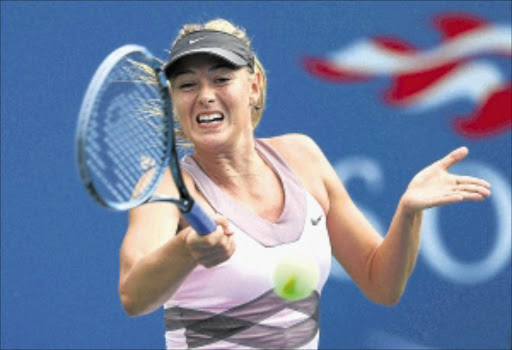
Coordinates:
x,y
223,25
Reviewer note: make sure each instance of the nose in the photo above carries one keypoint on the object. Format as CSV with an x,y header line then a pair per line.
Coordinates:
x,y
206,95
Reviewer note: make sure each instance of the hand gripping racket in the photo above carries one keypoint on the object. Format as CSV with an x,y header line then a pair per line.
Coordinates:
x,y
125,136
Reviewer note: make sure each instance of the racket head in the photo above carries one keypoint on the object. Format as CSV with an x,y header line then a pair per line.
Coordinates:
x,y
125,129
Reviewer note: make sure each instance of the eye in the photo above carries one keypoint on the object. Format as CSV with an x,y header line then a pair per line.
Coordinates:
x,y
186,85
221,80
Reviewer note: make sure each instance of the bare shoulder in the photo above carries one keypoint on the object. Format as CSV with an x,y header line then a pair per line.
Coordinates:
x,y
297,148
307,161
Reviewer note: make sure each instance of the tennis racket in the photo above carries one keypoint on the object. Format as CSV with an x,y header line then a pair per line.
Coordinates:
x,y
125,136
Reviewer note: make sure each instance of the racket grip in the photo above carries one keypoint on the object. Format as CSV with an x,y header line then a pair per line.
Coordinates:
x,y
199,220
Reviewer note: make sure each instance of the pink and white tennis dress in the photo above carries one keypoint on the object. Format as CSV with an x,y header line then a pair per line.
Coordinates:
x,y
232,305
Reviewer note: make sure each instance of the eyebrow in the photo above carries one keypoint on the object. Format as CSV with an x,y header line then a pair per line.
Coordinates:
x,y
211,69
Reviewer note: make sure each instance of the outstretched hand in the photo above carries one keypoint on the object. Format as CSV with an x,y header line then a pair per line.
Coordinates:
x,y
435,186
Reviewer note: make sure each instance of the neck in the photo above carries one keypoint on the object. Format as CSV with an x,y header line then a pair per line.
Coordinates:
x,y
236,165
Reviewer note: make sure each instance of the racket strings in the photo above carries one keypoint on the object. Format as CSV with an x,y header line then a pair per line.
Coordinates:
x,y
140,135
128,133
126,141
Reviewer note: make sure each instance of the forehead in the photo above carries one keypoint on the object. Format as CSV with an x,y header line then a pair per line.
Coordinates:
x,y
200,61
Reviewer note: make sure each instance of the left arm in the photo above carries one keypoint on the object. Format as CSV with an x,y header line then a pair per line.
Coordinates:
x,y
395,257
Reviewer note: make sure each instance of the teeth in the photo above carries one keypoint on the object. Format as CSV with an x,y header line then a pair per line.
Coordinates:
x,y
209,118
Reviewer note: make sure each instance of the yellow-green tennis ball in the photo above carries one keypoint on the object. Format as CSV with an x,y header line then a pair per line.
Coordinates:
x,y
295,276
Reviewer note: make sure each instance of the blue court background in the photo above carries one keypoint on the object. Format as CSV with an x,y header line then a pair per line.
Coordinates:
x,y
59,251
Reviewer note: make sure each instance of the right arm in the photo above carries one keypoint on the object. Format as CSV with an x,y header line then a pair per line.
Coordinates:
x,y
154,261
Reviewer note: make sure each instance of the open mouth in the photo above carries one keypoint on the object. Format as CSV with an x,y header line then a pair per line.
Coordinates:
x,y
210,118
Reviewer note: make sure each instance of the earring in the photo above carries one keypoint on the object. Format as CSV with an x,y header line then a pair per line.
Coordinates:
x,y
255,106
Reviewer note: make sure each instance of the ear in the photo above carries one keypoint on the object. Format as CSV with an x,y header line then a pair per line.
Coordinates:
x,y
254,93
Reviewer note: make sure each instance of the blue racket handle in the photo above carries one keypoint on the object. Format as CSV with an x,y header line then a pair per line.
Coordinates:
x,y
199,220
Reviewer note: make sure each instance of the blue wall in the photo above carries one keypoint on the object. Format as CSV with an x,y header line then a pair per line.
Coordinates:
x,y
59,251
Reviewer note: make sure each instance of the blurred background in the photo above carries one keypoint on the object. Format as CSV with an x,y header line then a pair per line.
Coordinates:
x,y
384,87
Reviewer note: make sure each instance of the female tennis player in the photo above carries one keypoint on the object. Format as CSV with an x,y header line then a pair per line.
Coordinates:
x,y
269,197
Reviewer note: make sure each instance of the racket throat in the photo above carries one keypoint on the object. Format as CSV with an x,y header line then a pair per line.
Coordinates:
x,y
185,205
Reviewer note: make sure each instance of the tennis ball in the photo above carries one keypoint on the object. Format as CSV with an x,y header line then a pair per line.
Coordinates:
x,y
295,276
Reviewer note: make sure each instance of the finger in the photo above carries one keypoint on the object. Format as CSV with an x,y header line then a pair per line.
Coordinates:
x,y
215,243
461,196
472,180
456,195
473,189
471,197
203,243
454,157
217,255
224,223
203,256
